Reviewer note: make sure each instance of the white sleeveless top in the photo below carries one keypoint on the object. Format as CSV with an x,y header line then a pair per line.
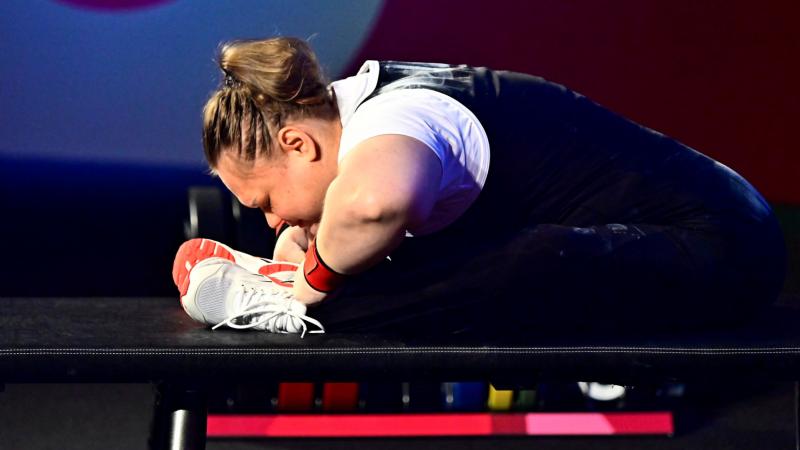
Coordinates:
x,y
446,126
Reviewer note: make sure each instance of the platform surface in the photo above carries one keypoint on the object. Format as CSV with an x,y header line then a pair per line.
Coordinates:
x,y
152,339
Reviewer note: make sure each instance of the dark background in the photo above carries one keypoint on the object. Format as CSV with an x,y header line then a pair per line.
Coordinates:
x,y
100,138
101,105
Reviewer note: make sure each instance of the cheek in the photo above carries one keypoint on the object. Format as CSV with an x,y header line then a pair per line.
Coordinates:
x,y
300,200
303,204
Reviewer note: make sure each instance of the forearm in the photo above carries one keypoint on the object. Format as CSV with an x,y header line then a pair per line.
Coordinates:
x,y
352,237
386,186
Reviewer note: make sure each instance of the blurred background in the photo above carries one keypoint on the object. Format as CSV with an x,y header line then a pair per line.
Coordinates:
x,y
100,103
100,121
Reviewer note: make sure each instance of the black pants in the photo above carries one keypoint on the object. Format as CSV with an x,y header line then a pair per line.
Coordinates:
x,y
553,278
586,220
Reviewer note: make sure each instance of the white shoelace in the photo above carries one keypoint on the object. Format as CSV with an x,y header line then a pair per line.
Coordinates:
x,y
269,307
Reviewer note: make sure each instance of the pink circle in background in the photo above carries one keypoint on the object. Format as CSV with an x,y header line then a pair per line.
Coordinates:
x,y
114,5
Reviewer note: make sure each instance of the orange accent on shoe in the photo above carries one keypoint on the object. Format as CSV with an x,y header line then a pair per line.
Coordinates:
x,y
190,253
271,269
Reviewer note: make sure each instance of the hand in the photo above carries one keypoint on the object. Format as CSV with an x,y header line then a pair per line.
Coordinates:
x,y
303,292
291,245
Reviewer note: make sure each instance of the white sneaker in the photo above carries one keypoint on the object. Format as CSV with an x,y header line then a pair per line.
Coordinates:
x,y
196,250
220,292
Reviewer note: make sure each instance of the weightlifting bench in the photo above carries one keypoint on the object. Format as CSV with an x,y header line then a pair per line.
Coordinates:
x,y
71,340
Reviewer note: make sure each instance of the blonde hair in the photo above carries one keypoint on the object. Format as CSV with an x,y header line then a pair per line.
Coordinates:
x,y
265,82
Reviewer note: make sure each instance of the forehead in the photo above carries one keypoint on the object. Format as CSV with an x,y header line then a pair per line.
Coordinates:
x,y
231,162
231,165
240,175
236,176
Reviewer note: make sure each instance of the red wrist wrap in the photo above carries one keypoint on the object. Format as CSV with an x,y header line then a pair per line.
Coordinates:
x,y
318,275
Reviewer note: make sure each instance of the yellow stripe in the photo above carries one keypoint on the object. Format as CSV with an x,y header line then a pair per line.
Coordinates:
x,y
500,400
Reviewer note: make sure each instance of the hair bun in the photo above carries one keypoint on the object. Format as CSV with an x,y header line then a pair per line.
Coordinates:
x,y
284,69
265,82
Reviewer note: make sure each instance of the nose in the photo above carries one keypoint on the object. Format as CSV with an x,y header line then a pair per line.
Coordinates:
x,y
272,220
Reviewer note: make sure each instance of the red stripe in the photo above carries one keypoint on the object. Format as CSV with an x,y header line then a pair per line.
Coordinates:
x,y
272,268
508,424
349,425
631,423
477,424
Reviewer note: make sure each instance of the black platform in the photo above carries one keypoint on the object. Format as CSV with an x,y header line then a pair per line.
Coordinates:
x,y
153,340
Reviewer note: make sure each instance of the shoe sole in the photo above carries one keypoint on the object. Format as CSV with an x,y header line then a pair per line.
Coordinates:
x,y
192,252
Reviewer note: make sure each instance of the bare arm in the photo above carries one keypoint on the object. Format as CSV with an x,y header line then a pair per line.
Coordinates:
x,y
385,186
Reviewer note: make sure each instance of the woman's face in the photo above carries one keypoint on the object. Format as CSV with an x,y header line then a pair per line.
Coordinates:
x,y
284,188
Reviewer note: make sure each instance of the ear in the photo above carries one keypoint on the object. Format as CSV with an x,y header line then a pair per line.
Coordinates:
x,y
296,141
